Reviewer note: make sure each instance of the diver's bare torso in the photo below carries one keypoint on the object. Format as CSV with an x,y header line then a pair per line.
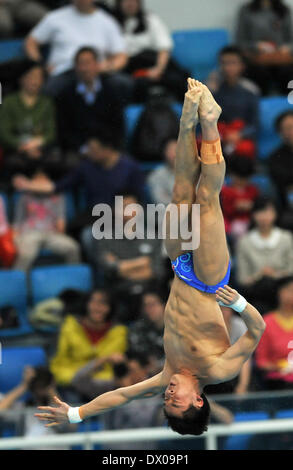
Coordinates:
x,y
195,332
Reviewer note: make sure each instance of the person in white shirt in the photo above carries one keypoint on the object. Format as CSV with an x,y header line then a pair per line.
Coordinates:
x,y
264,255
69,28
149,45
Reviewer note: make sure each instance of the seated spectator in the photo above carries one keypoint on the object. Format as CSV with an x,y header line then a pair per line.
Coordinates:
x,y
161,180
265,34
149,45
59,28
276,343
134,415
27,126
9,400
86,337
238,124
146,334
19,14
87,103
238,197
40,223
240,384
127,369
42,388
40,384
232,64
103,173
281,169
264,255
130,263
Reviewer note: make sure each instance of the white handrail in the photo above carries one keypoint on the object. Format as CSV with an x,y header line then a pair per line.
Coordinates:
x,y
88,439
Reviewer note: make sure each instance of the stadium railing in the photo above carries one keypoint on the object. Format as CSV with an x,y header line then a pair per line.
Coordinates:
x,y
88,439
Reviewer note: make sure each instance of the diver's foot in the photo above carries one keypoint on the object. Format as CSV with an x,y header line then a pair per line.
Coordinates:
x,y
209,110
190,117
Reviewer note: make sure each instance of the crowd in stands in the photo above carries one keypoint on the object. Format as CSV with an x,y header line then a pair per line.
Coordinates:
x,y
64,139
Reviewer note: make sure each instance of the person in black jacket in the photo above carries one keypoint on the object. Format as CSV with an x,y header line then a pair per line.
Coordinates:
x,y
88,103
281,168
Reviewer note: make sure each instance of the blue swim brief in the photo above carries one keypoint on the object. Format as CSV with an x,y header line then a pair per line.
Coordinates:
x,y
183,267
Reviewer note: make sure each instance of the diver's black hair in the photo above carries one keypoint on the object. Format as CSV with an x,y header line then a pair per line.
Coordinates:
x,y
194,421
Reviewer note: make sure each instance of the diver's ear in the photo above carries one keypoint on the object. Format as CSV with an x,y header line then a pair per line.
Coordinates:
x,y
197,401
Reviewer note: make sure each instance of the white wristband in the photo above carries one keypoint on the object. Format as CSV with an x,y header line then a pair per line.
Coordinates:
x,y
73,415
238,306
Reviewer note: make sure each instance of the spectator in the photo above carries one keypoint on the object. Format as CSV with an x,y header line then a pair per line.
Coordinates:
x,y
131,262
40,384
264,32
238,197
137,414
104,173
15,14
274,347
280,167
161,180
27,126
9,400
40,223
149,46
232,66
87,103
83,338
127,371
58,29
264,255
239,120
146,334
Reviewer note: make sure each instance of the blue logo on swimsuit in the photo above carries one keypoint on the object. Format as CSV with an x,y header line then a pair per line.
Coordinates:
x,y
185,258
186,268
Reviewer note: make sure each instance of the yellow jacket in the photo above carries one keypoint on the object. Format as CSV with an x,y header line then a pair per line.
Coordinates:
x,y
75,350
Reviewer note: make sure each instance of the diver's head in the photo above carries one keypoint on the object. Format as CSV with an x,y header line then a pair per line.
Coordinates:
x,y
186,409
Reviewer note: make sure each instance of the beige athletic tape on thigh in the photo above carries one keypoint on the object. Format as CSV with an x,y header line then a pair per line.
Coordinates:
x,y
211,152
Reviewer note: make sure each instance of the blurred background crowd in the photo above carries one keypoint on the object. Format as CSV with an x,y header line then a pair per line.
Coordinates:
x,y
91,100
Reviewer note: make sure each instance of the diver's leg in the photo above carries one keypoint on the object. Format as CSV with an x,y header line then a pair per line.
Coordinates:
x,y
212,257
187,171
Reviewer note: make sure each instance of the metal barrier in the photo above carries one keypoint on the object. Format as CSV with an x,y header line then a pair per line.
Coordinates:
x,y
89,439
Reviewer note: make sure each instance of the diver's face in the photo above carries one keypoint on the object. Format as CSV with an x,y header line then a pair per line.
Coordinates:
x,y
180,395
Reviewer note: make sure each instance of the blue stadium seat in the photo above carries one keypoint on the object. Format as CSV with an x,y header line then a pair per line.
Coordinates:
x,y
6,204
197,50
270,109
131,116
240,442
283,414
11,49
14,359
264,184
50,281
13,292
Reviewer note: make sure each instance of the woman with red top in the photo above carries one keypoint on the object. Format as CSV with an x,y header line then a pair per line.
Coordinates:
x,y
273,352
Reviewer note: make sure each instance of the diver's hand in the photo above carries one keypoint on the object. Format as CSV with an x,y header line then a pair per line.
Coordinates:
x,y
227,296
55,416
